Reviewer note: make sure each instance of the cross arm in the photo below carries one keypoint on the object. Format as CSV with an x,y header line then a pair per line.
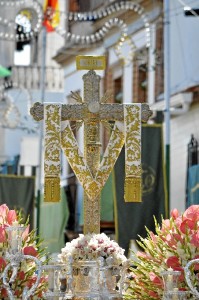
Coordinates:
x,y
74,112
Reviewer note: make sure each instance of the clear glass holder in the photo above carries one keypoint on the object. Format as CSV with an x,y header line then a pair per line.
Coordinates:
x,y
176,295
86,278
110,277
60,281
14,238
170,280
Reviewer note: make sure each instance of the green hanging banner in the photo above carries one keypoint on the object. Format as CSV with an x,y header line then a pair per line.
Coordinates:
x,y
131,218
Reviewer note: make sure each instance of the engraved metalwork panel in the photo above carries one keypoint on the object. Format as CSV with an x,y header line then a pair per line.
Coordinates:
x,y
74,112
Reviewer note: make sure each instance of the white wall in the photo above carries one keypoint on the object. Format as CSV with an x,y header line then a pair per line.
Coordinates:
x,y
11,138
6,47
184,43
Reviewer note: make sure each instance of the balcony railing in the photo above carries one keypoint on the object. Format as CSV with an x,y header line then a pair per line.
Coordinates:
x,y
30,77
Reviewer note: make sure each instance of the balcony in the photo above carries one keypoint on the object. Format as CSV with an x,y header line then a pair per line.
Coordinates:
x,y
30,77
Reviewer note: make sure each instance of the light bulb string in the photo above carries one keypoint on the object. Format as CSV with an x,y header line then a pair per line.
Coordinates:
x,y
97,36
77,16
12,25
101,13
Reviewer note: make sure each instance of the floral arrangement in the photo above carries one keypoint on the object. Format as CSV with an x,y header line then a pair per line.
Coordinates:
x,y
30,246
93,247
175,243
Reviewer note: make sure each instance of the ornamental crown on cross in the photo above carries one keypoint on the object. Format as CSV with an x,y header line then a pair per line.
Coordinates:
x,y
90,171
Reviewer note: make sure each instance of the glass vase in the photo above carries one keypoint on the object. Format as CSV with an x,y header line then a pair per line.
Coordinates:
x,y
86,279
170,280
176,295
59,278
14,238
111,282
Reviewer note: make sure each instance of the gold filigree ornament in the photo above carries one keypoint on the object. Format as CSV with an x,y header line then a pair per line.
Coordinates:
x,y
52,148
133,170
125,49
92,184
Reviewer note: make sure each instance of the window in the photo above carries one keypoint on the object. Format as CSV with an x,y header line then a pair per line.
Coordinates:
x,y
140,76
22,54
22,57
82,5
118,94
159,63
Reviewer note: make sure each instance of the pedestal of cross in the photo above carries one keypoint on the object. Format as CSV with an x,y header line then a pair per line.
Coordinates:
x,y
91,111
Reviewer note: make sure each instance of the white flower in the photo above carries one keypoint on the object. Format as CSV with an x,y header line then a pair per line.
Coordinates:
x,y
93,246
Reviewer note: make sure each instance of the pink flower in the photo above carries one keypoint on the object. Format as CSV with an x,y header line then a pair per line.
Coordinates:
x,y
169,239
196,266
31,281
142,254
4,293
30,250
181,277
195,239
3,212
178,222
175,235
25,233
2,263
166,224
17,293
174,213
24,274
178,238
155,279
187,224
2,234
153,294
11,216
173,262
192,213
21,275
153,236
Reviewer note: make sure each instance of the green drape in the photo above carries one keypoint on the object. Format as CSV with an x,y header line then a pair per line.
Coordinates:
x,y
53,219
131,218
107,201
17,192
